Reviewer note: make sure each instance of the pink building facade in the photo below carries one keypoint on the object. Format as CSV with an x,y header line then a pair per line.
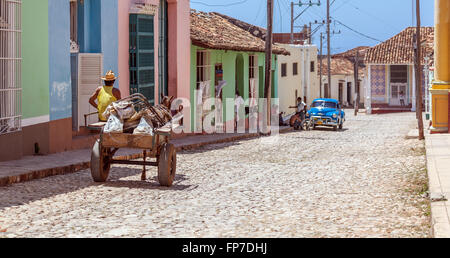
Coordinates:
x,y
163,65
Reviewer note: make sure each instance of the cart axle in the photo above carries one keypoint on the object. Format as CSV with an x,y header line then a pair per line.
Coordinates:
x,y
130,162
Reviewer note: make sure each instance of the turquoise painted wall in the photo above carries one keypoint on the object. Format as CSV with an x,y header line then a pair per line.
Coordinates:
x,y
89,26
46,69
98,31
59,59
35,62
228,61
110,35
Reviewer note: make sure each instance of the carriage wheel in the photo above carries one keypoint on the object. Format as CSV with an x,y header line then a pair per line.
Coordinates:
x,y
99,163
167,165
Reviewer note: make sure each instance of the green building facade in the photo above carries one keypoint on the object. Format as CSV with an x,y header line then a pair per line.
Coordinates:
x,y
235,68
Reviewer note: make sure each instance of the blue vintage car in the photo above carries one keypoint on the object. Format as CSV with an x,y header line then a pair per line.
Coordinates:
x,y
326,112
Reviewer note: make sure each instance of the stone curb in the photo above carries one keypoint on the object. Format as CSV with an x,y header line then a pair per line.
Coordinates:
x,y
73,168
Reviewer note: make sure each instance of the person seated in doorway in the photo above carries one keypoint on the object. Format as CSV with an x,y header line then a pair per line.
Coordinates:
x,y
238,104
402,99
105,95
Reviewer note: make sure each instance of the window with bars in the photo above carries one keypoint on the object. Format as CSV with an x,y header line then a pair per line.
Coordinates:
x,y
74,21
283,70
313,66
3,13
295,69
253,67
10,66
399,73
253,75
203,67
218,74
74,45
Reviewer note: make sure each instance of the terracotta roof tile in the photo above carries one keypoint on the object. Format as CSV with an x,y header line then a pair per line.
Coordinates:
x,y
339,65
210,30
399,49
343,63
352,52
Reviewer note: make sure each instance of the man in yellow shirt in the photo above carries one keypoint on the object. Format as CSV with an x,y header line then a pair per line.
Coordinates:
x,y
105,95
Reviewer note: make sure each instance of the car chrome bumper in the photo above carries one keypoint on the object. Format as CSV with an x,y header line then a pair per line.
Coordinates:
x,y
325,121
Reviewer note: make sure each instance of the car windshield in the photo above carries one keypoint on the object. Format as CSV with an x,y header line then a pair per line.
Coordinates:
x,y
324,104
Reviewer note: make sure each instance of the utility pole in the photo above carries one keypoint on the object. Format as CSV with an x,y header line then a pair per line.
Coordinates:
x,y
310,34
356,83
268,73
418,62
320,66
292,22
329,50
427,88
293,19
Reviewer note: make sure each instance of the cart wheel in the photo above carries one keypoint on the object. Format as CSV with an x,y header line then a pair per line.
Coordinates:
x,y
99,167
167,165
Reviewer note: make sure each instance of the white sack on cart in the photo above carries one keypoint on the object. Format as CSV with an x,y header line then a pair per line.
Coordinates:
x,y
144,128
114,125
125,110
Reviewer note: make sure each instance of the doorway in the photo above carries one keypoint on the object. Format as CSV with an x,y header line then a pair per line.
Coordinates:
x,y
239,75
142,51
396,90
349,93
399,83
163,50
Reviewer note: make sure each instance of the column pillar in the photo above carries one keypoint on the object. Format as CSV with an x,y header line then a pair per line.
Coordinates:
x,y
369,91
441,84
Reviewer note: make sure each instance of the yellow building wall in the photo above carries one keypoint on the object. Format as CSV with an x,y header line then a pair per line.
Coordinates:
x,y
441,85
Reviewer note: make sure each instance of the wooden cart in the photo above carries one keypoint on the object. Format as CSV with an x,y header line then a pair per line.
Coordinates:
x,y
156,146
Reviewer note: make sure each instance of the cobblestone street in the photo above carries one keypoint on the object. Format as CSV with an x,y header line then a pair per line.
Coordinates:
x,y
364,181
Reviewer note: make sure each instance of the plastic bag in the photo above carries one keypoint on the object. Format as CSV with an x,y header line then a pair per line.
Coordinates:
x,y
144,128
109,111
125,110
114,125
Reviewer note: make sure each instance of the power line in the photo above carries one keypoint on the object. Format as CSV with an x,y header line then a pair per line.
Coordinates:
x,y
261,3
357,32
220,5
373,16
343,4
281,16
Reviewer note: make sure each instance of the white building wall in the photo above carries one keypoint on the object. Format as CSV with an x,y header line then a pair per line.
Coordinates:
x,y
344,79
305,83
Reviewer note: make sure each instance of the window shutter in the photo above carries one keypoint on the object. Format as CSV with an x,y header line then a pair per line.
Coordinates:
x,y
90,67
142,56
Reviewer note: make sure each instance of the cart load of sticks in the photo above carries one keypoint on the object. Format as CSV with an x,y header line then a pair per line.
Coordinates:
x,y
135,115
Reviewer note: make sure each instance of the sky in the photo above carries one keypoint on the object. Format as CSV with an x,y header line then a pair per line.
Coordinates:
x,y
360,22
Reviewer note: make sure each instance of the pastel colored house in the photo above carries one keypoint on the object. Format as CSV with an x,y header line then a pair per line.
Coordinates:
x,y
55,52
44,102
297,76
390,71
343,84
154,43
222,50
